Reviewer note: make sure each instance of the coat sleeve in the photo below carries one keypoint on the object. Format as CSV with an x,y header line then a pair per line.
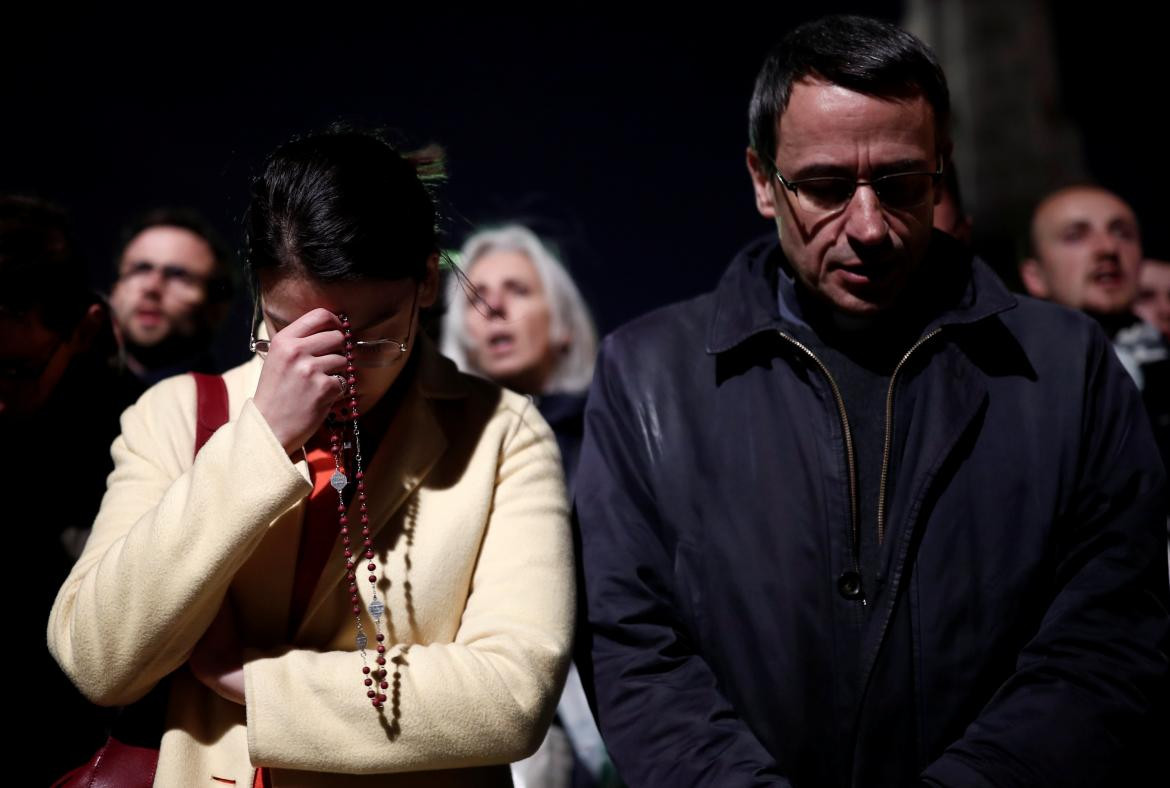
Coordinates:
x,y
168,539
658,703
485,698
1085,687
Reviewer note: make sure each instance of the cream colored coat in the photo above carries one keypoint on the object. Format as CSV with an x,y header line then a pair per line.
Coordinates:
x,y
468,510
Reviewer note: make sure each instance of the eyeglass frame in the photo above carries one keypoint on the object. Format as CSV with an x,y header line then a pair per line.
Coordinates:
x,y
254,344
170,273
793,186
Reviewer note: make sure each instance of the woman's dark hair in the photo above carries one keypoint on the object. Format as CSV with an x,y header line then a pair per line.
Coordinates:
x,y
865,55
342,205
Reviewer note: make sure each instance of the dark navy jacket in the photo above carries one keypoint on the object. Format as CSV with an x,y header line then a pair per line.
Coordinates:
x,y
1020,629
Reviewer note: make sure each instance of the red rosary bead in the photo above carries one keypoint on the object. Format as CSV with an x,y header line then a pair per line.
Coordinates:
x,y
335,439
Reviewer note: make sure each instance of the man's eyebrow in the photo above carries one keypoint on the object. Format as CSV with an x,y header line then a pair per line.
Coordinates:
x,y
904,165
1073,225
830,170
820,170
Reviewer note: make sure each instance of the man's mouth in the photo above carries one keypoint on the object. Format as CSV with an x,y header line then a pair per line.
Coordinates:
x,y
148,317
864,272
1109,277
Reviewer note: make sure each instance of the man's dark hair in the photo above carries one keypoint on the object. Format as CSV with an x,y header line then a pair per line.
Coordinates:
x,y
342,205
40,269
865,55
221,284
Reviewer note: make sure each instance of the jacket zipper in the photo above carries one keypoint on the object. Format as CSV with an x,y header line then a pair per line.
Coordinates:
x,y
849,459
881,512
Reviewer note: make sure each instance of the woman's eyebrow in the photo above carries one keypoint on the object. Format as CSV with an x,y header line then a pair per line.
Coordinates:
x,y
379,318
278,321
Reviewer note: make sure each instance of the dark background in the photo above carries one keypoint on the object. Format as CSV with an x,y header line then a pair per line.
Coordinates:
x,y
621,138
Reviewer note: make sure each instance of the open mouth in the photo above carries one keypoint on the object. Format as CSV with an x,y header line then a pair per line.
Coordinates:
x,y
500,343
1107,277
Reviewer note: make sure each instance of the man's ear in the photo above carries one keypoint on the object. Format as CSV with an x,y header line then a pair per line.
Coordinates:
x,y
428,291
762,178
87,330
1033,278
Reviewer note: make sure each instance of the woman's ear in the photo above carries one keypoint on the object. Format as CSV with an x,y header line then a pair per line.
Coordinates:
x,y
428,291
563,342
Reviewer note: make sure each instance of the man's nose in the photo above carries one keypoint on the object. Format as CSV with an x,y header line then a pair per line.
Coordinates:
x,y
153,280
1106,245
865,221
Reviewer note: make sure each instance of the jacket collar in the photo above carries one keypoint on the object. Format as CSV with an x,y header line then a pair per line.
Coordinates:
x,y
757,293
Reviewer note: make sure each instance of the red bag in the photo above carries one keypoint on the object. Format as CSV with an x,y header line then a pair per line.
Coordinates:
x,y
129,757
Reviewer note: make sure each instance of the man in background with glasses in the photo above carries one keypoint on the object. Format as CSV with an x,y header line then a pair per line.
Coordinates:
x,y
173,290
861,516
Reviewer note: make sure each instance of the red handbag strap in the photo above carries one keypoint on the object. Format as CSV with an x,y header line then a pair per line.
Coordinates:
x,y
211,406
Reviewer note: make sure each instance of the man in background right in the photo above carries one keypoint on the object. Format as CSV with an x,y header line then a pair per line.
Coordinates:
x,y
1086,253
1153,299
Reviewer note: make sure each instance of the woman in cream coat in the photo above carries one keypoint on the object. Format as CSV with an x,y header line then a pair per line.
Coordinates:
x,y
190,568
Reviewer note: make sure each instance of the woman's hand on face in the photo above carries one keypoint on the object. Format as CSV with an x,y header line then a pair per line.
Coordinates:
x,y
297,385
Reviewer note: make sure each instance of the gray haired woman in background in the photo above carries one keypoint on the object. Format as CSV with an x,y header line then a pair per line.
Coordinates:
x,y
524,325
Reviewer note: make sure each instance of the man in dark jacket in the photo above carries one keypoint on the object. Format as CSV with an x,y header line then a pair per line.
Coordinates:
x,y
861,516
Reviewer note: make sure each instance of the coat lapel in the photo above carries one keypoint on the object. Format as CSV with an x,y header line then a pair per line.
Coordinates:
x,y
413,444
